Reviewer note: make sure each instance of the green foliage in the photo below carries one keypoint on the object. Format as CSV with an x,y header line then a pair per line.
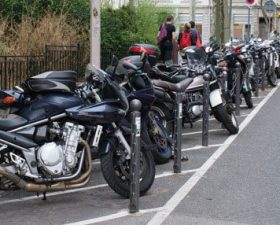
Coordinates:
x,y
122,27
119,27
77,10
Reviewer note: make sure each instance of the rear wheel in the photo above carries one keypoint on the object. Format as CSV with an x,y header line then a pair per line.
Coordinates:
x,y
165,115
160,137
116,168
227,118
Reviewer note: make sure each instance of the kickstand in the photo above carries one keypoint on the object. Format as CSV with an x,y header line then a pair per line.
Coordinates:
x,y
191,123
44,196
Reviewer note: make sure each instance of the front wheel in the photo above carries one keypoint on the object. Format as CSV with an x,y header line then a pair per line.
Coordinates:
x,y
116,168
228,119
272,78
248,99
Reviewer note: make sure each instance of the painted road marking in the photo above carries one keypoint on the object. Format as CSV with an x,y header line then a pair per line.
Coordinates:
x,y
175,200
161,175
199,147
200,132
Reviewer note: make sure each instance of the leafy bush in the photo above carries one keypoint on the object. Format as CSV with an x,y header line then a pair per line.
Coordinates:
x,y
77,10
122,27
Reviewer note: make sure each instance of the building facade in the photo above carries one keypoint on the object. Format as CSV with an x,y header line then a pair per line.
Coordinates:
x,y
201,12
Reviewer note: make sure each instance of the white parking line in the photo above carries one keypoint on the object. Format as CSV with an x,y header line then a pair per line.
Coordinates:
x,y
121,214
213,118
199,147
175,200
163,174
259,96
200,132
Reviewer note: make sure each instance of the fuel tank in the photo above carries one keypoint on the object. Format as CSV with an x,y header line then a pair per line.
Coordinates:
x,y
196,85
100,113
44,106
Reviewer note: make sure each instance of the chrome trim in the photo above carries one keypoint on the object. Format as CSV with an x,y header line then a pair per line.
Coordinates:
x,y
73,175
15,146
39,122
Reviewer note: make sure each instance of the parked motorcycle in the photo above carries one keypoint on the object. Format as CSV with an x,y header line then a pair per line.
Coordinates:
x,y
46,144
137,85
192,79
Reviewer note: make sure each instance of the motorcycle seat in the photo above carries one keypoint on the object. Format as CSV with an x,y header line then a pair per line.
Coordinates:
x,y
64,75
177,87
12,122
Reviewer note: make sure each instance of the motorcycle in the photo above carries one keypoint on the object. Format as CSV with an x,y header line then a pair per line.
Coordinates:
x,y
137,85
46,143
192,81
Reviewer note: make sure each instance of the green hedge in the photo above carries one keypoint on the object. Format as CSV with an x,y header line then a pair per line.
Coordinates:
x,y
122,27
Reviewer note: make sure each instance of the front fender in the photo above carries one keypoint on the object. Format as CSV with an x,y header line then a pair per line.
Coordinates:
x,y
107,145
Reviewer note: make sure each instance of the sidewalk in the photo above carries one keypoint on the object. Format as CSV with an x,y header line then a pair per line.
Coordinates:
x,y
243,186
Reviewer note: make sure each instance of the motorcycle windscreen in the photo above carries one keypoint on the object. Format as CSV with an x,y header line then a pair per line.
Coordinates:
x,y
195,55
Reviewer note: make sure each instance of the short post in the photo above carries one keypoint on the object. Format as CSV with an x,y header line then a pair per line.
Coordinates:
x,y
135,107
177,167
237,89
256,77
205,114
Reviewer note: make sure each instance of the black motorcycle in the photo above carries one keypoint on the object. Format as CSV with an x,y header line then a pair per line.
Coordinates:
x,y
137,85
46,144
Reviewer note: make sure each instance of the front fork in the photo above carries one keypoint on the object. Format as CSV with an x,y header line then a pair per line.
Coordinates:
x,y
119,134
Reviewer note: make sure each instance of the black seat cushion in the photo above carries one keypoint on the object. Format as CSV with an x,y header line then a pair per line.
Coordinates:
x,y
52,81
57,75
12,122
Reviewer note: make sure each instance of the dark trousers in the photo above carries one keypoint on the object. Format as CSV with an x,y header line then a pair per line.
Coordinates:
x,y
166,48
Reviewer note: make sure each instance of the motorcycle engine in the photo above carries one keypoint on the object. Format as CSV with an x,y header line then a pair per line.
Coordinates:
x,y
50,156
58,159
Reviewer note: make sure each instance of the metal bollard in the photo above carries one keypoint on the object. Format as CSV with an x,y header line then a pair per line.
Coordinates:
x,y
205,114
257,74
237,89
177,167
135,107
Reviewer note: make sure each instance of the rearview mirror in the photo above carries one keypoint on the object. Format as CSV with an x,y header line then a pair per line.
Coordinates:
x,y
115,61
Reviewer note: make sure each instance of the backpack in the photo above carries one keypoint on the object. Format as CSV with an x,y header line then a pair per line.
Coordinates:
x,y
198,39
162,34
185,40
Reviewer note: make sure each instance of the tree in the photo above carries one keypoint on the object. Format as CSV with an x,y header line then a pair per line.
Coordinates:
x,y
221,21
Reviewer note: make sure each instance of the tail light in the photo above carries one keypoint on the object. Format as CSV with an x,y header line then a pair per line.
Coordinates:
x,y
8,100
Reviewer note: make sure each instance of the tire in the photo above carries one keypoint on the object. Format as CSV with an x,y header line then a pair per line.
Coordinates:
x,y
165,115
159,136
119,180
248,99
272,78
227,119
277,71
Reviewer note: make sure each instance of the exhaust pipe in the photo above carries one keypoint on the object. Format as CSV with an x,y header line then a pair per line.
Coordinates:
x,y
32,187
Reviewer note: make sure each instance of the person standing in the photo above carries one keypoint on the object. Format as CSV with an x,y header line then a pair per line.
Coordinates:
x,y
165,37
195,35
184,39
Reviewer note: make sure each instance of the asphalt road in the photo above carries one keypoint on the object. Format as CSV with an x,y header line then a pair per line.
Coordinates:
x,y
233,181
